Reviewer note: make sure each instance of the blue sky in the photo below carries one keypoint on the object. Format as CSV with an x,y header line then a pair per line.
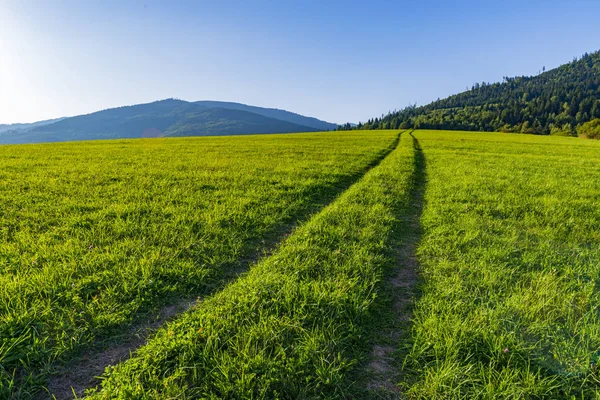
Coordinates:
x,y
335,60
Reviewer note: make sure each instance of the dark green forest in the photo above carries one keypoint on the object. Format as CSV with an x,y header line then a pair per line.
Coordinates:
x,y
559,101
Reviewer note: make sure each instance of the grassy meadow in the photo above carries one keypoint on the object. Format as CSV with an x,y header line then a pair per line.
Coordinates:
x,y
97,235
292,327
510,267
340,265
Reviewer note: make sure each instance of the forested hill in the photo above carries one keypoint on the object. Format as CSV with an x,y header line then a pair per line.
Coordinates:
x,y
275,113
557,101
170,117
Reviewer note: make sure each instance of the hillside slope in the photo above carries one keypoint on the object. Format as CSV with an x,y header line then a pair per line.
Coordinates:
x,y
221,121
20,127
169,117
272,113
556,101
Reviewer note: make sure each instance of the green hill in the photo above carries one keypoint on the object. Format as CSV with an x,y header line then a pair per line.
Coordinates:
x,y
169,117
21,127
556,101
222,121
272,113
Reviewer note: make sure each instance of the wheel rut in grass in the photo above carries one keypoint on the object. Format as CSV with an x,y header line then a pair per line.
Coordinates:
x,y
400,291
72,379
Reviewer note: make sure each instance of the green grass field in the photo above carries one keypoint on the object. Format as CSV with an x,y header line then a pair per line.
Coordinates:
x,y
445,265
292,326
510,264
96,235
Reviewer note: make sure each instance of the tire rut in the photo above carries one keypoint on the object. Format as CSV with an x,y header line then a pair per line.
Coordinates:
x,y
383,369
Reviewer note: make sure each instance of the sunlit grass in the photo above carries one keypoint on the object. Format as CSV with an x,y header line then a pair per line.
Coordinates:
x,y
292,328
510,260
93,235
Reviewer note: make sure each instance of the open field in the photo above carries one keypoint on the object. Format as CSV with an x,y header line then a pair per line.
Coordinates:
x,y
292,326
95,236
510,265
445,265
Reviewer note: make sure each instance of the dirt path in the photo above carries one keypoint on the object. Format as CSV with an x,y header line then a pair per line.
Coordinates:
x,y
384,373
91,364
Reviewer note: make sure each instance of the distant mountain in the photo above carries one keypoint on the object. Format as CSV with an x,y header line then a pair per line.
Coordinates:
x,y
169,117
21,127
272,113
557,101
222,121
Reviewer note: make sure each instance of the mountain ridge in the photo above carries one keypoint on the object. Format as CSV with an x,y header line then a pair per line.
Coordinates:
x,y
27,125
271,113
168,117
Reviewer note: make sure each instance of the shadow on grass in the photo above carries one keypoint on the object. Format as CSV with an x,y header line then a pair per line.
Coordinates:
x,y
82,369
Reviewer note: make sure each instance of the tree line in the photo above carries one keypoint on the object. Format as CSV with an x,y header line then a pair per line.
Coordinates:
x,y
559,101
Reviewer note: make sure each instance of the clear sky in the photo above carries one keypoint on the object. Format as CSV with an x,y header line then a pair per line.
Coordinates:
x,y
335,60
